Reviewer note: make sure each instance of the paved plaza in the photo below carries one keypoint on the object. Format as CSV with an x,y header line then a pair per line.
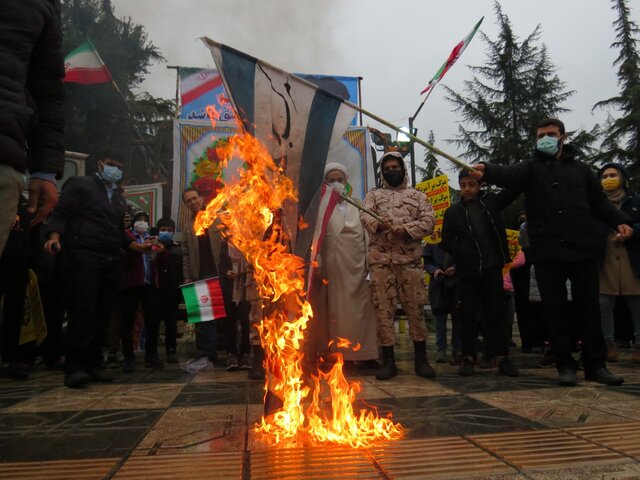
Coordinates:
x,y
168,424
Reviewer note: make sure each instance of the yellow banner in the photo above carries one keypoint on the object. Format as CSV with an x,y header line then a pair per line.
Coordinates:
x,y
437,190
514,247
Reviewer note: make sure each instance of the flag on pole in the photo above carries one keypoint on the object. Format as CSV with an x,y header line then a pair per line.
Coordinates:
x,y
196,83
453,58
296,120
84,65
204,300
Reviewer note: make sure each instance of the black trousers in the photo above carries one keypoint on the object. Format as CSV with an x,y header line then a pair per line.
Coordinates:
x,y
93,282
552,282
13,285
168,304
529,324
237,323
483,294
147,295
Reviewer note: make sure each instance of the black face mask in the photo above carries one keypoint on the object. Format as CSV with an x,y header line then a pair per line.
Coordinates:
x,y
394,177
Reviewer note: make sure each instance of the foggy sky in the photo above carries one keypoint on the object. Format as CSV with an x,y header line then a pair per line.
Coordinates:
x,y
395,46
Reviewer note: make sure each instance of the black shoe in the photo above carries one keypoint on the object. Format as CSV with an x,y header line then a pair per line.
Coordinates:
x,y
604,376
466,367
421,363
388,368
100,375
153,362
244,363
129,365
487,363
16,371
231,364
456,358
505,367
567,378
256,372
76,379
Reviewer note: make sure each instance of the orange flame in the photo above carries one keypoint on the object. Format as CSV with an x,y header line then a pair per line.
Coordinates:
x,y
319,408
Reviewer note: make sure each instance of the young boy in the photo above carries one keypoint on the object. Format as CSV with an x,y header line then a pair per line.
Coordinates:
x,y
473,234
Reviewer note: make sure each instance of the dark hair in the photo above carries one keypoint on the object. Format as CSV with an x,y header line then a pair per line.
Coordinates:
x,y
187,190
110,154
552,121
166,222
464,173
138,215
622,171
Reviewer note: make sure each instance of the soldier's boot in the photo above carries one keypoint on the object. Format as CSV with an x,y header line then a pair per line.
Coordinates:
x,y
422,367
256,372
388,368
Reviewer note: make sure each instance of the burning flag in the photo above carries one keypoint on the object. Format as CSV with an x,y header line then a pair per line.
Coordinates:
x,y
453,58
84,65
294,124
204,300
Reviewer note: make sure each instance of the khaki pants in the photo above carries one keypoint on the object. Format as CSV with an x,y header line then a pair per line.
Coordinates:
x,y
11,186
393,284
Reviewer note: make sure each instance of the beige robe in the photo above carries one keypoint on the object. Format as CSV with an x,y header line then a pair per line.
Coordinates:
x,y
349,310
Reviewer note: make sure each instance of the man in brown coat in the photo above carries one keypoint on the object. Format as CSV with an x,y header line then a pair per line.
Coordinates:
x,y
394,260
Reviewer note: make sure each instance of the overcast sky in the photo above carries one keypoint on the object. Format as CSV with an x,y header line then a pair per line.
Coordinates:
x,y
395,46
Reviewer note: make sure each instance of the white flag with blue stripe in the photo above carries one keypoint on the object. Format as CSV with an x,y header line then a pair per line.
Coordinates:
x,y
296,120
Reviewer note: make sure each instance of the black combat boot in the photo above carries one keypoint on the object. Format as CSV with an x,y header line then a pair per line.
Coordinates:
x,y
423,369
256,372
388,368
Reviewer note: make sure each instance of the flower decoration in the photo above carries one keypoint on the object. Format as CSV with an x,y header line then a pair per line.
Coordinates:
x,y
207,176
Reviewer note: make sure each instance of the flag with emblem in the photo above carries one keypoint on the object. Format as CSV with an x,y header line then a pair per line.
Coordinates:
x,y
204,300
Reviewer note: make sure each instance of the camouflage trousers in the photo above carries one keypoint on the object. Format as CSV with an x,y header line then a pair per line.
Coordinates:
x,y
393,284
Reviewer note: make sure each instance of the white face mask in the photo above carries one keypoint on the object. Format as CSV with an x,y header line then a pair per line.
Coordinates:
x,y
338,187
141,226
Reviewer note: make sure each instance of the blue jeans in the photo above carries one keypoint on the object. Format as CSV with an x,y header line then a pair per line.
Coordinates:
x,y
441,332
607,304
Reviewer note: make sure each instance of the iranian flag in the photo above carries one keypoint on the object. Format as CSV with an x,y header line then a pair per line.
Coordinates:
x,y
204,300
453,58
85,66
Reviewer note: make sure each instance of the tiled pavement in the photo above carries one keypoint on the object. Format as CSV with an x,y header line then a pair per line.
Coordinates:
x,y
173,425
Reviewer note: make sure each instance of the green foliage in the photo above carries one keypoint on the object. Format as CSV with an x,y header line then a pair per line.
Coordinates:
x,y
431,168
507,97
621,141
96,116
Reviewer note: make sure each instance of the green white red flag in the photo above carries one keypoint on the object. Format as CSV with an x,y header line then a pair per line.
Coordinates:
x,y
84,65
453,58
204,300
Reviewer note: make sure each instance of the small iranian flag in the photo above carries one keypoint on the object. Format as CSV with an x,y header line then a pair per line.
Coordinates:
x,y
453,58
85,66
204,300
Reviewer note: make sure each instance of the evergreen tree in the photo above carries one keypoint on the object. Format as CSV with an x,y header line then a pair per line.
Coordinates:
x,y
431,168
96,115
622,135
507,97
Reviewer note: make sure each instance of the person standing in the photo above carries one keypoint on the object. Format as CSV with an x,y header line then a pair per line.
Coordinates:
x,y
31,108
88,224
620,269
394,261
563,203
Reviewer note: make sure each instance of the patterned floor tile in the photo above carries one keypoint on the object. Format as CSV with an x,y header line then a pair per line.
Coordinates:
x,y
58,469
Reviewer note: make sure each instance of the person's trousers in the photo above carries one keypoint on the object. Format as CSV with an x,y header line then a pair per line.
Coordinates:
x,y
14,276
93,284
11,186
168,309
441,332
552,283
483,294
393,284
607,305
146,295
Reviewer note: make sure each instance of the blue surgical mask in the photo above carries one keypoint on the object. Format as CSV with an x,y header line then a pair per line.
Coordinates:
x,y
165,237
111,174
548,145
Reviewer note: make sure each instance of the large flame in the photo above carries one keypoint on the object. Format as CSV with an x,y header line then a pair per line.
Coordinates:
x,y
318,407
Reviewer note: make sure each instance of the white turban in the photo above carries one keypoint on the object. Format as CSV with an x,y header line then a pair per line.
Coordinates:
x,y
335,166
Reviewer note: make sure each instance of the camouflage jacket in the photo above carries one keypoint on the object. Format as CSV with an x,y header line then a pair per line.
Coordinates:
x,y
404,206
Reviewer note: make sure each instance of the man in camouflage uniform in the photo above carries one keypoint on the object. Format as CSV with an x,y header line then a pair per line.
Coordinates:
x,y
394,260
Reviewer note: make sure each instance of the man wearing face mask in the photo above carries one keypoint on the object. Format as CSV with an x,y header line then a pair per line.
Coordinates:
x,y
394,260
87,225
563,202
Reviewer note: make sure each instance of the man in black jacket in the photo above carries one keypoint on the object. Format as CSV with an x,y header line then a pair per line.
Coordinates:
x,y
89,224
563,202
31,107
473,234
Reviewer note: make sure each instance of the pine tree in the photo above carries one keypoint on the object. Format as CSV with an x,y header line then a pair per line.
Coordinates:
x,y
431,168
622,136
507,97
